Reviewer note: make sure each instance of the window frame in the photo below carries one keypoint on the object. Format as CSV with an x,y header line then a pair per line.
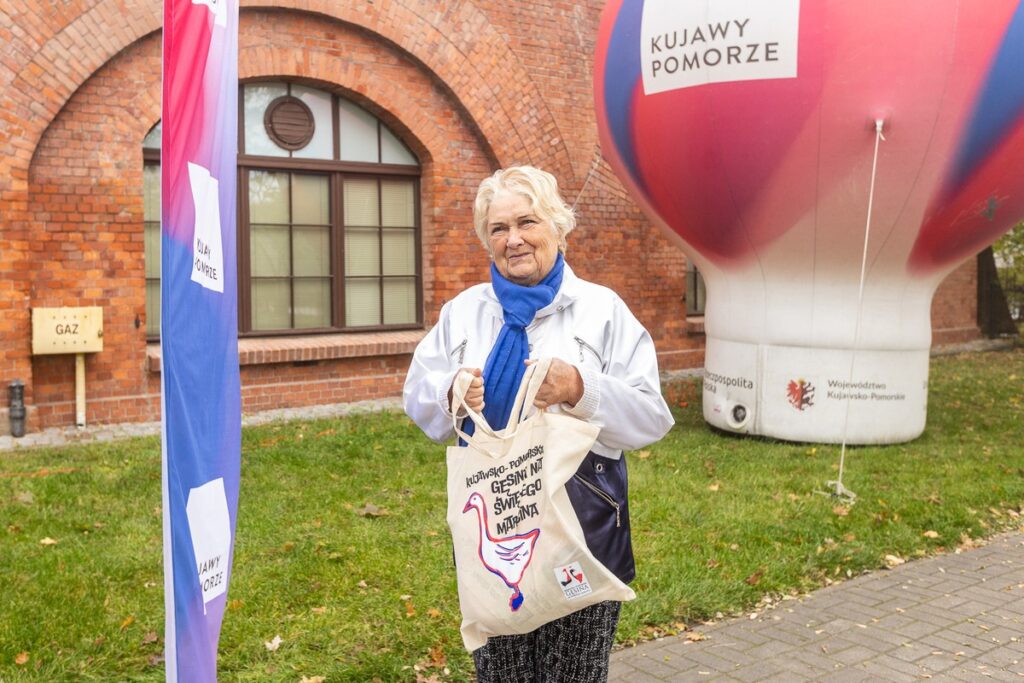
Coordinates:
x,y
152,157
337,172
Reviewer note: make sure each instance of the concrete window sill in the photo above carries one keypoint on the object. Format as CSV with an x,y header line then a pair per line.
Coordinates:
x,y
313,348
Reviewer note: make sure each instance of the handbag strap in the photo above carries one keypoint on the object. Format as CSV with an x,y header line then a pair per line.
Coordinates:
x,y
532,381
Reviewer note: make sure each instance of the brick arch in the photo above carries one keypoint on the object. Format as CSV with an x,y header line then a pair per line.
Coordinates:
x,y
387,100
468,56
459,47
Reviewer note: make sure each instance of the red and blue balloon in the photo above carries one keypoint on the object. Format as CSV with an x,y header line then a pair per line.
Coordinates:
x,y
763,170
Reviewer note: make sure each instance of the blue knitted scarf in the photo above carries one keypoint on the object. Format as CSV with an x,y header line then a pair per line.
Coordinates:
x,y
505,365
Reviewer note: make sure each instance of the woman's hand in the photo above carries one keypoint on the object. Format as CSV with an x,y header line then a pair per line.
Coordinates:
x,y
563,384
474,398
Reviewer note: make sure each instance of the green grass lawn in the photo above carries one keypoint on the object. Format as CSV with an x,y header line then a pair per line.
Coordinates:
x,y
720,523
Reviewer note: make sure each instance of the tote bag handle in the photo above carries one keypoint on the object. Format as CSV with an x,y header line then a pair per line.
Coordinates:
x,y
528,388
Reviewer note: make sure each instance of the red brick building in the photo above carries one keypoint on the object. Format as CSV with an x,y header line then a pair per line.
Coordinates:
x,y
419,101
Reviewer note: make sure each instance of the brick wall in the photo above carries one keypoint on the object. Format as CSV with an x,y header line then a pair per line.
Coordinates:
x,y
469,86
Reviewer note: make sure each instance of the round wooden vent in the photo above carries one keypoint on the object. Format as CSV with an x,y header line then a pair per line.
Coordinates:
x,y
289,122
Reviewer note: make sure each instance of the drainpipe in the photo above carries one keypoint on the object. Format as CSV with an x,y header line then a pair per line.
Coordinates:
x,y
16,396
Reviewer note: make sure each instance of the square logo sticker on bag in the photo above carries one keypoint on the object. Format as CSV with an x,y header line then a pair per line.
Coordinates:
x,y
572,580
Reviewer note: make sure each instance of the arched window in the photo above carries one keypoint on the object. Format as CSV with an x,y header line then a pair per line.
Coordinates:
x,y
328,220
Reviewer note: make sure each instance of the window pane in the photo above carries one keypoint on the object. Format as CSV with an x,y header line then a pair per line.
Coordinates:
x,y
311,251
361,202
270,305
392,151
322,144
152,308
269,252
153,137
312,303
257,96
357,132
268,197
399,301
151,248
399,252
362,251
151,192
311,200
397,203
362,302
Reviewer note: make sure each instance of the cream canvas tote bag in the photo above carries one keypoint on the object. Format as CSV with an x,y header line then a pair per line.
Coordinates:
x,y
520,554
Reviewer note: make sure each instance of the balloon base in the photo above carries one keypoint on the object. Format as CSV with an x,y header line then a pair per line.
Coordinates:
x,y
818,395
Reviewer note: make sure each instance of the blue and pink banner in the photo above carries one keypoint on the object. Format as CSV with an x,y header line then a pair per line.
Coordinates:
x,y
201,397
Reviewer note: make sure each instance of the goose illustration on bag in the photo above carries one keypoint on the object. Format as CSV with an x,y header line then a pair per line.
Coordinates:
x,y
515,481
507,557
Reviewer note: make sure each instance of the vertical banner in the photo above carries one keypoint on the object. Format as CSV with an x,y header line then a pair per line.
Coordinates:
x,y
201,396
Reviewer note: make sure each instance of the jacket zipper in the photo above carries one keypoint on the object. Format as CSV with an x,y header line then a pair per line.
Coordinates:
x,y
583,345
600,493
461,350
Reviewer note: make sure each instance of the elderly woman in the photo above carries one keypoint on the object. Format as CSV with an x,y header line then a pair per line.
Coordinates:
x,y
603,369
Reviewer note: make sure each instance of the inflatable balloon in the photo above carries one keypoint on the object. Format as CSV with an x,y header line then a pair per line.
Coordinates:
x,y
825,164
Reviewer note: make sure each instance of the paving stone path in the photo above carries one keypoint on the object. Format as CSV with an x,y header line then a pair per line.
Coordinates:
x,y
955,617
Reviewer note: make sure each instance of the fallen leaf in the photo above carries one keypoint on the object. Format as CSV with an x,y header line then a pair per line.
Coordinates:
x,y
438,658
841,510
410,609
273,644
695,636
931,534
893,561
793,497
128,621
712,564
48,541
149,638
714,487
235,605
432,678
643,455
754,578
433,613
362,584
318,610
21,659
312,679
371,510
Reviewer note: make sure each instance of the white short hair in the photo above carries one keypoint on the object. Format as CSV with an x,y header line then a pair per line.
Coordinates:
x,y
540,187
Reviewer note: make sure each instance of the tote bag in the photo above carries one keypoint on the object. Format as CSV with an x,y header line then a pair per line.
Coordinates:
x,y
520,554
